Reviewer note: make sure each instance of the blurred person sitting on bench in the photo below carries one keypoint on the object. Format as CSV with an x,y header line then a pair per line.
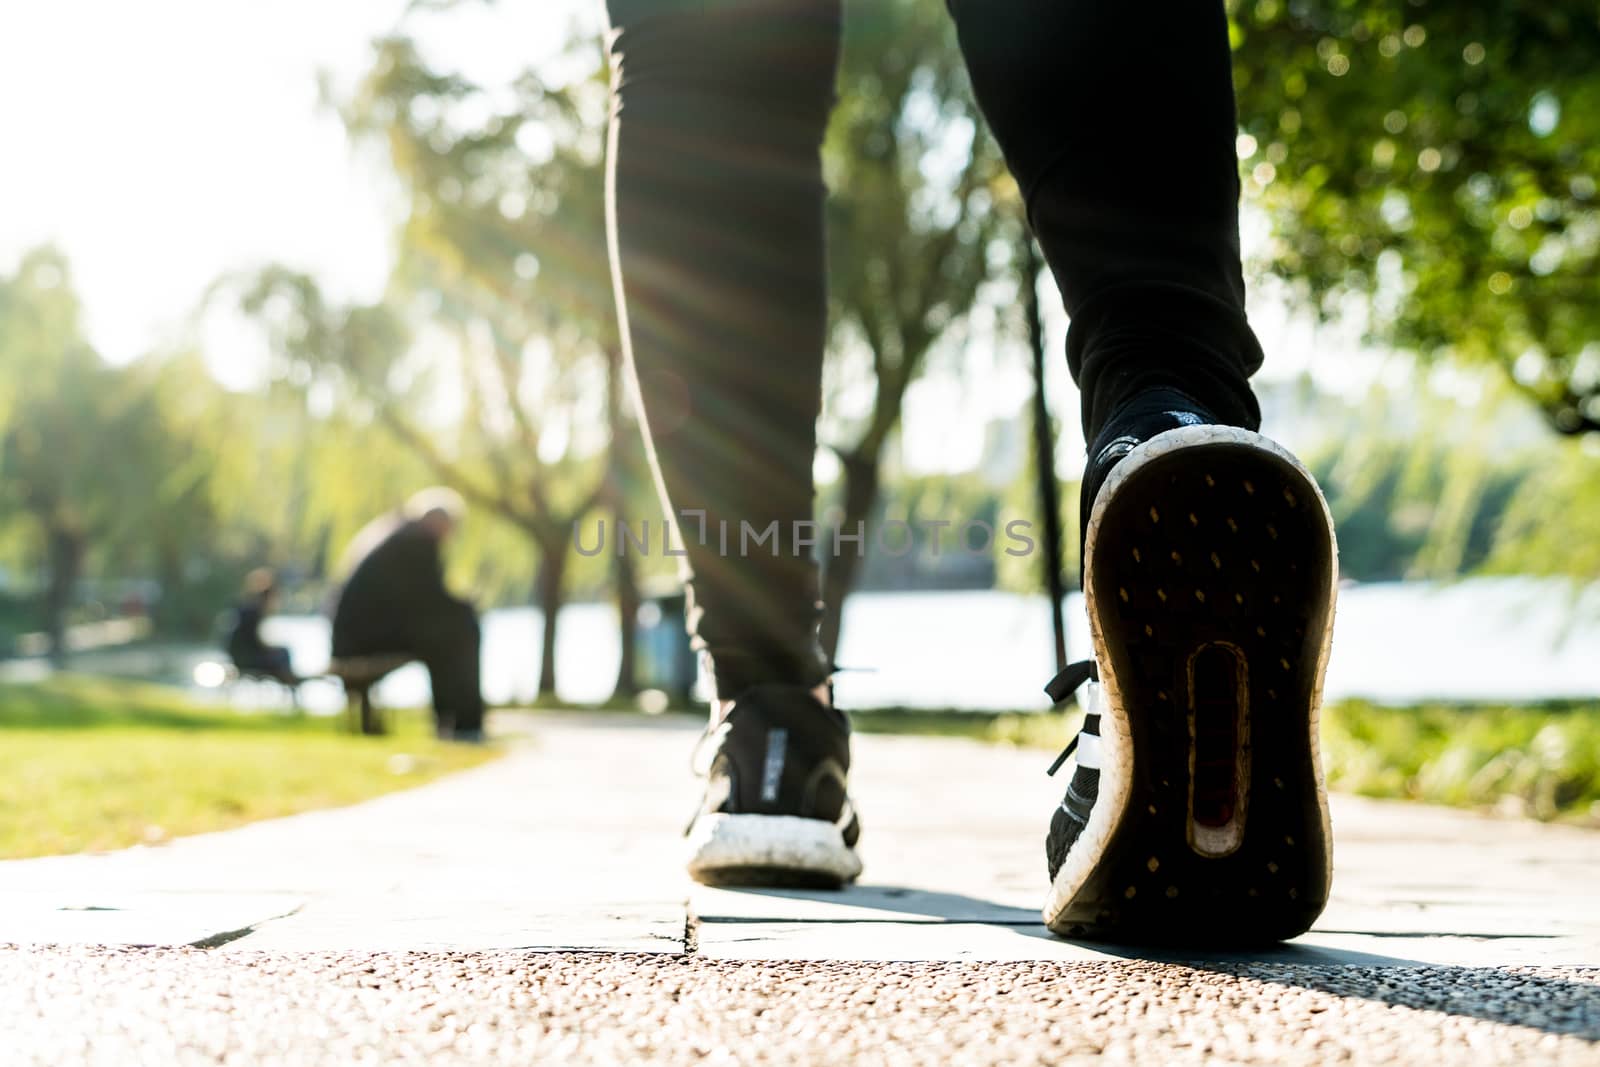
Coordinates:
x,y
393,602
252,656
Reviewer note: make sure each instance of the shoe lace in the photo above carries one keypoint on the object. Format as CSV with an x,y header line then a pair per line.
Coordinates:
x,y
1061,688
705,746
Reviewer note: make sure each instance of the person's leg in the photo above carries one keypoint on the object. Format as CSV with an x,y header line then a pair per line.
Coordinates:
x,y
716,201
280,665
268,660
1118,122
449,646
1195,810
717,244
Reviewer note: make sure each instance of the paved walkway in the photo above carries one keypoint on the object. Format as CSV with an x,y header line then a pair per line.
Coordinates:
x,y
571,844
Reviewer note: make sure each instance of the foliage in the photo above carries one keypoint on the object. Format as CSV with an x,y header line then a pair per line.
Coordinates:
x,y
1438,161
98,765
69,479
1552,522
1021,499
926,557
1417,485
1421,487
914,179
107,463
1538,761
504,249
1542,762
502,291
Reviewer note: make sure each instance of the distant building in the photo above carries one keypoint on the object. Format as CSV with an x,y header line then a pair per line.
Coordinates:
x,y
1005,451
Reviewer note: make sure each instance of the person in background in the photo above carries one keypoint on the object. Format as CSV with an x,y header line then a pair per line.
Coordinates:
x,y
250,654
392,600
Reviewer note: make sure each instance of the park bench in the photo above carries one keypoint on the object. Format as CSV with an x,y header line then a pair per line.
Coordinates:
x,y
234,674
226,676
358,674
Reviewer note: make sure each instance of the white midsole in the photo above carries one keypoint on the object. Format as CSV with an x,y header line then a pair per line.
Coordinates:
x,y
781,842
1116,743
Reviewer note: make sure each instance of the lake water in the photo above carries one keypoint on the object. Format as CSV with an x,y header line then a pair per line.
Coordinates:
x,y
1480,639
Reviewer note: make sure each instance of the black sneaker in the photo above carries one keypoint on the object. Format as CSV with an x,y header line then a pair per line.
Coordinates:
x,y
1196,811
776,810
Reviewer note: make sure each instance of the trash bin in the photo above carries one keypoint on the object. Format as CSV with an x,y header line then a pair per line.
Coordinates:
x,y
664,660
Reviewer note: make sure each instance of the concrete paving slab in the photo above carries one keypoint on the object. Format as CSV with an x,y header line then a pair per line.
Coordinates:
x,y
887,942
109,917
531,850
856,934
406,922
949,941
860,903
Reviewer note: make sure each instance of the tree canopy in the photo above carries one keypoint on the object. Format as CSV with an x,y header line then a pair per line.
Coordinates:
x,y
1438,161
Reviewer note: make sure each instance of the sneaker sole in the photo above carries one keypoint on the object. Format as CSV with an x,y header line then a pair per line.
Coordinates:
x,y
780,851
1210,589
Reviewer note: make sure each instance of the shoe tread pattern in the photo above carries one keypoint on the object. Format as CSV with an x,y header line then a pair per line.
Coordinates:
x,y
1223,545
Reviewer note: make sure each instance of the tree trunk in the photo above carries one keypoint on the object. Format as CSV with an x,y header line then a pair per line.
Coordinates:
x,y
169,615
65,550
549,593
1044,450
840,568
625,582
626,587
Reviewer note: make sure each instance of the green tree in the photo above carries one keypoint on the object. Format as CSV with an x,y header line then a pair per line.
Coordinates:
x,y
1551,525
913,175
504,245
91,454
1438,162
1418,484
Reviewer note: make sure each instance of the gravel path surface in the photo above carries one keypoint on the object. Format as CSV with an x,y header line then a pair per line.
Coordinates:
x,y
118,1006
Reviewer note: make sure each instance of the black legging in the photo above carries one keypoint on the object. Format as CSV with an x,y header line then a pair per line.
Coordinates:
x,y
1118,123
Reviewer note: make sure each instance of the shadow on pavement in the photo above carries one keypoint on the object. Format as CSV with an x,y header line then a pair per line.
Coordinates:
x,y
897,903
1514,997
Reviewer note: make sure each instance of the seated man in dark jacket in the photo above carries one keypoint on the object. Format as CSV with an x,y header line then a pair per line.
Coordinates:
x,y
251,655
393,601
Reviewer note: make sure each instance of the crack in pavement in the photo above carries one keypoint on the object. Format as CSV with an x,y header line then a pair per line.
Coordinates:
x,y
227,936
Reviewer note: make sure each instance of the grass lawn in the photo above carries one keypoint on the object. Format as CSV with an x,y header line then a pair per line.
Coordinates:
x,y
1541,761
96,764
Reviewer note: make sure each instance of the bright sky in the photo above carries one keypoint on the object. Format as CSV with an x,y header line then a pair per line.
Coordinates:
x,y
166,142
162,143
